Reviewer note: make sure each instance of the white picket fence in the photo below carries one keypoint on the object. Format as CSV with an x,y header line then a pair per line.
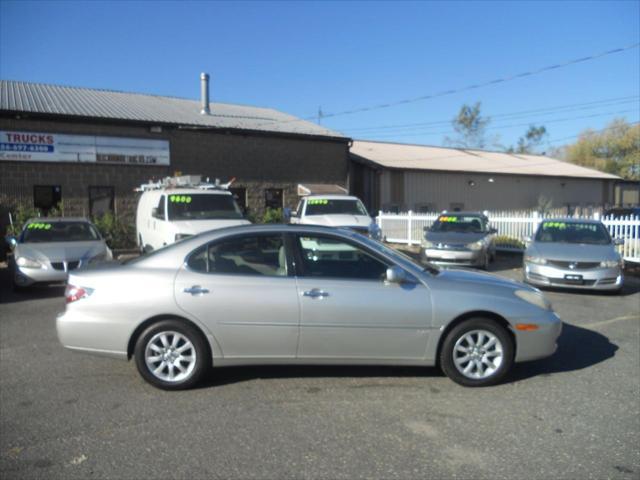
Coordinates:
x,y
408,228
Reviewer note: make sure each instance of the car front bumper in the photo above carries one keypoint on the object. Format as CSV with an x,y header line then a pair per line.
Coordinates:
x,y
539,343
591,279
24,277
473,258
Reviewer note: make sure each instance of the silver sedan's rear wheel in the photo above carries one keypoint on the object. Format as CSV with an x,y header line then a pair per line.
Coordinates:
x,y
172,355
478,352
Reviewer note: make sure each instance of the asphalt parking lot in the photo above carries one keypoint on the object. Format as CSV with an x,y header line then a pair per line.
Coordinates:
x,y
574,415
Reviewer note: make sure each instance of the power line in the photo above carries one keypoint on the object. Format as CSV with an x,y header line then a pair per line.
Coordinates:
x,y
541,111
495,127
464,89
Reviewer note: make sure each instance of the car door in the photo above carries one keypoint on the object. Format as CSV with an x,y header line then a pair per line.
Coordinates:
x,y
349,311
242,289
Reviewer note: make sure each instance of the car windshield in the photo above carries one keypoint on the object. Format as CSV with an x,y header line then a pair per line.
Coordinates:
x,y
203,206
573,232
329,206
459,224
44,231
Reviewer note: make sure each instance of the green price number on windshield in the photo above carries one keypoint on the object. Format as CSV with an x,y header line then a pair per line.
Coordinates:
x,y
318,202
180,198
39,226
448,219
558,225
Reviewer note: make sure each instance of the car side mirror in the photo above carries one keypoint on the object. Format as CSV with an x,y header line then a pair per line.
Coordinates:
x,y
12,241
493,230
154,212
618,241
396,274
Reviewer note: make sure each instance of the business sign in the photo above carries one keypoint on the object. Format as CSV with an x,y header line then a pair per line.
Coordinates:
x,y
54,147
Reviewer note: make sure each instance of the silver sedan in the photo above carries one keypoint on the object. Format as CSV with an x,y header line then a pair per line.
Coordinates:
x,y
288,294
573,253
47,249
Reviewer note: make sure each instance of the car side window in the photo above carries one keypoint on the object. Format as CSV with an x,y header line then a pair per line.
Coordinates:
x,y
334,258
263,255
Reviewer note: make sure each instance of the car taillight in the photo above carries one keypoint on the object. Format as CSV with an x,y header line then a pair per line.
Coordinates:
x,y
73,293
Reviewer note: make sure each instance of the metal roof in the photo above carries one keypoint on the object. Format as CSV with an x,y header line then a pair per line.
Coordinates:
x,y
107,104
422,157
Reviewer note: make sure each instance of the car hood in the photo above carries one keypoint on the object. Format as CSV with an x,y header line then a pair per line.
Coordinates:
x,y
193,227
572,252
61,251
338,220
488,279
453,237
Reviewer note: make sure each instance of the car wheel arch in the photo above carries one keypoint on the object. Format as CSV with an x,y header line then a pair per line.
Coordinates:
x,y
475,314
150,321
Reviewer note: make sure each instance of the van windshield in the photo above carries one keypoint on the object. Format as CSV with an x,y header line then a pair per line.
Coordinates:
x,y
329,206
202,206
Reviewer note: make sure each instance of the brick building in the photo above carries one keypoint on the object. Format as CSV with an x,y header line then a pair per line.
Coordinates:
x,y
91,148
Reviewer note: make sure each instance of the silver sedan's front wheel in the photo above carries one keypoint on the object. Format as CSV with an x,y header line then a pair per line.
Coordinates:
x,y
477,352
172,355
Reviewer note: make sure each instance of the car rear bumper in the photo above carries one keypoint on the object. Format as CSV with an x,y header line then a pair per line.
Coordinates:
x,y
540,343
89,334
591,279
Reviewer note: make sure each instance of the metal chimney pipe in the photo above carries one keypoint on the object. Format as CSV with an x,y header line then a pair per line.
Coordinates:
x,y
204,94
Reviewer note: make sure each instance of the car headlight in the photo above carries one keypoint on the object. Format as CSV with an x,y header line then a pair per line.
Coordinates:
x,y
180,236
475,245
26,262
534,297
375,231
534,259
611,263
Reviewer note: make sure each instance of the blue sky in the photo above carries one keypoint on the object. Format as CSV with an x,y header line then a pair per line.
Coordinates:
x,y
299,56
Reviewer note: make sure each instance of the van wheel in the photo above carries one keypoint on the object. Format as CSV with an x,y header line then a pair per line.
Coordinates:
x,y
172,355
141,245
477,353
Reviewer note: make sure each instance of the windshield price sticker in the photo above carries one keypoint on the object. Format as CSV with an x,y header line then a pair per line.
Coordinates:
x,y
448,219
318,202
39,226
180,198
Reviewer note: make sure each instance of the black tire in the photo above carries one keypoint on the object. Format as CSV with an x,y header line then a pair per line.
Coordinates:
x,y
485,263
467,327
195,373
141,245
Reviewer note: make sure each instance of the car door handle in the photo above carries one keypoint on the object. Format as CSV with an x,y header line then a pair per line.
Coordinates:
x,y
196,290
315,293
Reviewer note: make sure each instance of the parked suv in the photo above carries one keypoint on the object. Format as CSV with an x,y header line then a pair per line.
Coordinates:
x,y
173,210
336,211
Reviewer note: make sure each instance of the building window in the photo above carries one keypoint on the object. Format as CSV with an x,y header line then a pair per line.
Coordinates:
x,y
273,198
426,208
100,201
240,196
46,197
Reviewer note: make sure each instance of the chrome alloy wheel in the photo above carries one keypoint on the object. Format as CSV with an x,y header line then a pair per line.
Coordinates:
x,y
170,356
478,354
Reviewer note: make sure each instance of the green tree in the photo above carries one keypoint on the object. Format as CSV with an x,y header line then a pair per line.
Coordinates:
x,y
616,149
531,140
470,127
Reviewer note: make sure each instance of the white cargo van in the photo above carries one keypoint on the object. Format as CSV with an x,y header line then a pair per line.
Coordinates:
x,y
180,207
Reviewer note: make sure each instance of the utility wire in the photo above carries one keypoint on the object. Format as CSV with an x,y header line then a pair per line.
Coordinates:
x,y
464,89
495,127
541,111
